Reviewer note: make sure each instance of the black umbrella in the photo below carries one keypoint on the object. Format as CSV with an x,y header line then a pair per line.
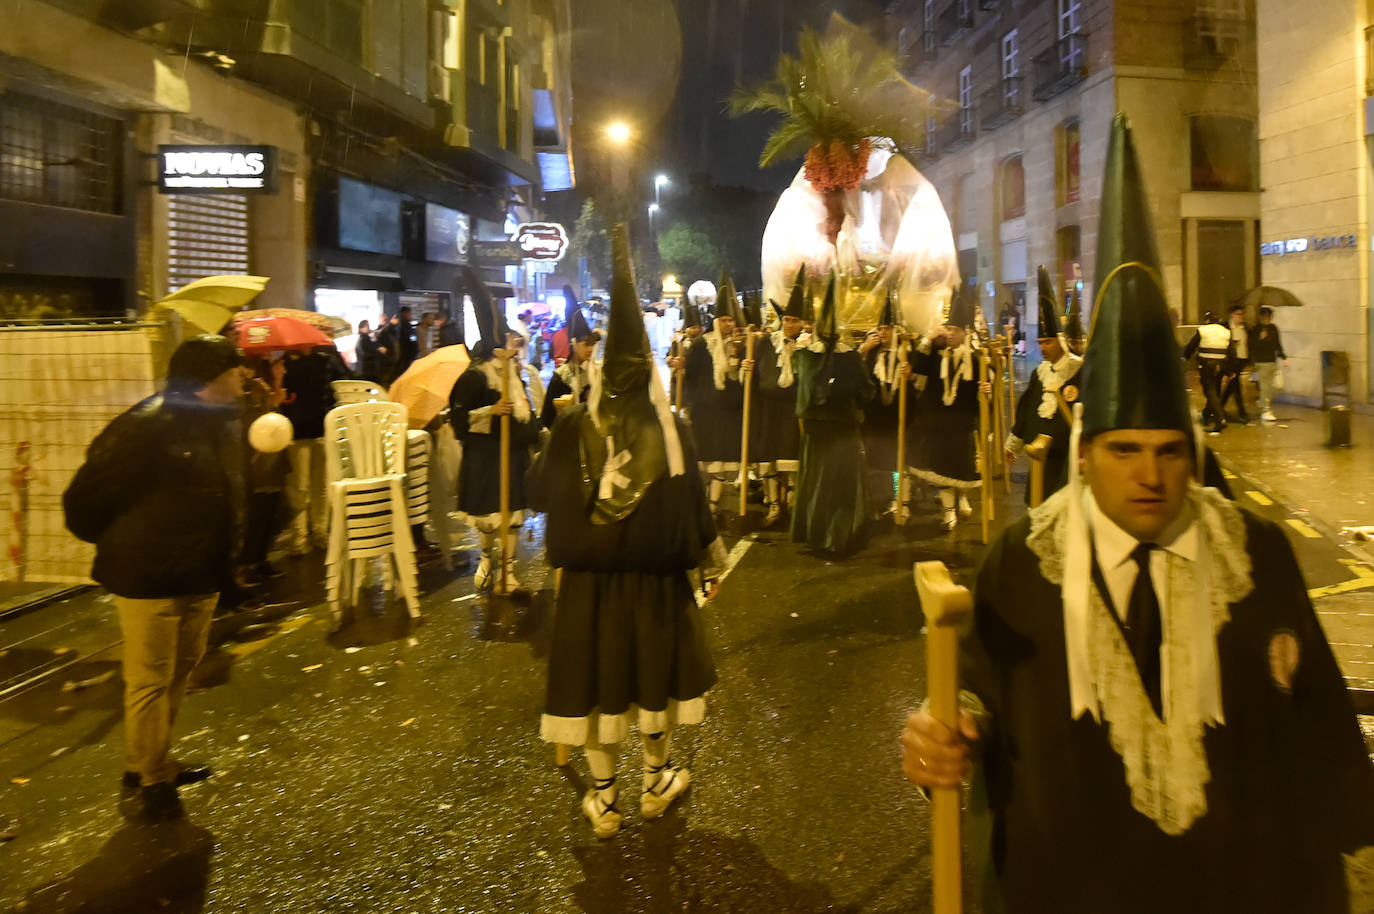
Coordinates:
x,y
1267,297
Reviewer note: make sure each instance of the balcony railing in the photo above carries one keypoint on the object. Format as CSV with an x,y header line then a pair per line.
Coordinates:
x,y
958,131
955,20
1211,41
1060,66
1002,103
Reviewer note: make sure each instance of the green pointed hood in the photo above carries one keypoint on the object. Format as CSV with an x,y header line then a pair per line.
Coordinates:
x,y
753,309
963,306
490,315
827,328
574,320
628,358
691,315
888,317
1049,306
1073,324
1132,372
727,300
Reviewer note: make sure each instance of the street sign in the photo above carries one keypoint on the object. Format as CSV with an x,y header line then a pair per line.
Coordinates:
x,y
542,240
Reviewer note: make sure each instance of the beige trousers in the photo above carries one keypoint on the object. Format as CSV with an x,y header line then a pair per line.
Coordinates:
x,y
163,642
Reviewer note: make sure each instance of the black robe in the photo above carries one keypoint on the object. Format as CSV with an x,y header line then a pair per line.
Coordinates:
x,y
944,436
558,387
1291,785
1028,424
880,417
717,415
627,632
774,434
479,476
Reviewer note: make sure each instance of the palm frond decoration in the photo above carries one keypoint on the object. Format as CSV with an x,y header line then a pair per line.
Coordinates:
x,y
840,95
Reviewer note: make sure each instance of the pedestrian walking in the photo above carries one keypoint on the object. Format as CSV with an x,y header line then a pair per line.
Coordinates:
x,y
309,397
424,335
1266,349
1212,344
161,495
1044,407
627,523
371,354
446,330
830,508
1154,716
714,390
1234,386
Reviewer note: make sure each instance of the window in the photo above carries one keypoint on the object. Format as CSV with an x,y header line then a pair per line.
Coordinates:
x,y
929,20
931,126
964,9
1011,55
1223,151
1012,185
1220,264
58,155
966,100
1066,173
1069,23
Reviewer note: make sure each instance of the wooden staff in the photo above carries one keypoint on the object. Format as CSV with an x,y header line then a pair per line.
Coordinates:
x,y
945,606
745,377
505,472
900,513
677,375
983,433
1037,450
1011,376
999,416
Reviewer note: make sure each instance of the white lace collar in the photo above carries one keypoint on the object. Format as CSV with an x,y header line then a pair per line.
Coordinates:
x,y
519,394
1165,762
1052,380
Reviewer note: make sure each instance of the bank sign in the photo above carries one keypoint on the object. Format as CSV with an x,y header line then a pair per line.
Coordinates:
x,y
1303,245
217,169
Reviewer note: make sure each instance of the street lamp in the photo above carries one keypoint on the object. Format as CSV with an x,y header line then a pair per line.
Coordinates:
x,y
653,209
659,182
619,133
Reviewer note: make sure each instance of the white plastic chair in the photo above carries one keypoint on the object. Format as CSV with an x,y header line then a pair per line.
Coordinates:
x,y
365,450
347,393
419,498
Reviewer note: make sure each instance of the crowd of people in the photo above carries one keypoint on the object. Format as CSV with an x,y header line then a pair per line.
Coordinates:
x,y
1142,669
1226,351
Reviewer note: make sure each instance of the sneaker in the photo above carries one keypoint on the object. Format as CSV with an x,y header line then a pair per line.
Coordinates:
x,y
160,802
605,818
662,788
1268,416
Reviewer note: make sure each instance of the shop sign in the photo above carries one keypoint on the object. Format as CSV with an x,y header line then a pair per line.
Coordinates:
x,y
216,169
1303,245
496,253
542,241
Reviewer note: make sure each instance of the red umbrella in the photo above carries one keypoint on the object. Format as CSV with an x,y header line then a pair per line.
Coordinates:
x,y
273,332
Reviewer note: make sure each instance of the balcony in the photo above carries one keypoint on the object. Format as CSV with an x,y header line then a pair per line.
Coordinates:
x,y
957,132
955,21
1061,66
1001,104
1212,41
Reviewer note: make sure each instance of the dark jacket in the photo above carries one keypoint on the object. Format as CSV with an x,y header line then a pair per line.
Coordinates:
x,y
161,495
308,394
1265,343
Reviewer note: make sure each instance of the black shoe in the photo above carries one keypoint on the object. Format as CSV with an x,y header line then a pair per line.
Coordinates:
x,y
191,775
160,802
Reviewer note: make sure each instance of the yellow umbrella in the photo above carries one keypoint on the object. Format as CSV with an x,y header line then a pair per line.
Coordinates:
x,y
208,304
425,387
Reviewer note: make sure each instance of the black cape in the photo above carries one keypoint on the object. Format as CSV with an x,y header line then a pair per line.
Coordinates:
x,y
944,436
479,476
717,415
1028,424
1291,784
831,505
774,433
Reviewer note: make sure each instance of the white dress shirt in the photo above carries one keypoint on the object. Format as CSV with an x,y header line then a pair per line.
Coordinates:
x,y
1112,546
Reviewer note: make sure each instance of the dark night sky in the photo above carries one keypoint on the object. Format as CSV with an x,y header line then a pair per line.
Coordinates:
x,y
667,66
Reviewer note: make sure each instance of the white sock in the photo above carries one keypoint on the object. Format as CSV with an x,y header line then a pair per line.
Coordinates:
x,y
601,762
947,499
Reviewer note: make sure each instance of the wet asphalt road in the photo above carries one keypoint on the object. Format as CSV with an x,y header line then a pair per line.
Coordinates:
x,y
394,768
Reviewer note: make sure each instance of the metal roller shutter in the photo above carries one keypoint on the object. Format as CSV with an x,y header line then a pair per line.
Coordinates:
x,y
207,236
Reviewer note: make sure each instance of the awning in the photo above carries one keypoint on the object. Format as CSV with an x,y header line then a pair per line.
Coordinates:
x,y
501,290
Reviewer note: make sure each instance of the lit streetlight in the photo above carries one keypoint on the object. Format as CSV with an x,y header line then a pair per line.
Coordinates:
x,y
619,133
659,183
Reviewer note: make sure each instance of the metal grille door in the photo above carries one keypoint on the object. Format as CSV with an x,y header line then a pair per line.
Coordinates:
x,y
207,236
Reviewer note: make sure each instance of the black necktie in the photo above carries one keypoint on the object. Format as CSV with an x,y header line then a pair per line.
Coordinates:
x,y
1144,628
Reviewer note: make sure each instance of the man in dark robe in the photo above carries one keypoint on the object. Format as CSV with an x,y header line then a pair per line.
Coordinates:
x,y
1045,405
712,379
1156,718
574,377
490,388
775,437
830,507
883,353
628,524
677,356
944,425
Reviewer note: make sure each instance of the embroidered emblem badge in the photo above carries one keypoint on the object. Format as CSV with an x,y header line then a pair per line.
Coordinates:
x,y
1284,657
1070,393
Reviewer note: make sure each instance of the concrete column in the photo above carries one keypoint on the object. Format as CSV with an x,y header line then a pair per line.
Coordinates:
x,y
1191,311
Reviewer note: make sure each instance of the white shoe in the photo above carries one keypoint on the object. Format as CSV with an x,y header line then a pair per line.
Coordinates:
x,y
771,518
951,519
482,578
605,818
661,789
1268,416
505,584
965,509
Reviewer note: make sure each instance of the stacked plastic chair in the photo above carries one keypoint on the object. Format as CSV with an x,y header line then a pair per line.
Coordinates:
x,y
347,393
365,449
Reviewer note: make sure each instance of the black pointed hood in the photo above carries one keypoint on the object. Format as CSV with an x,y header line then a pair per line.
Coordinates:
x,y
888,317
574,319
1049,306
753,309
1132,372
727,301
691,314
796,299
490,315
963,306
827,328
1073,323
628,359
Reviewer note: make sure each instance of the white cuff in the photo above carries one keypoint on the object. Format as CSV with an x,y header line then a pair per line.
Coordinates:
x,y
479,420
1014,444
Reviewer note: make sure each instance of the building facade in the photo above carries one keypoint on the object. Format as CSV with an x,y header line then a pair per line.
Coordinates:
x,y
1314,138
1017,140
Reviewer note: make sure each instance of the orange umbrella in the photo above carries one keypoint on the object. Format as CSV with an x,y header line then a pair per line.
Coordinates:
x,y
266,334
425,387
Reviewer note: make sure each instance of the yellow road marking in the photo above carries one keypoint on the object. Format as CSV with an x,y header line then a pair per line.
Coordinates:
x,y
1227,473
1260,498
1303,528
1364,579
242,649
